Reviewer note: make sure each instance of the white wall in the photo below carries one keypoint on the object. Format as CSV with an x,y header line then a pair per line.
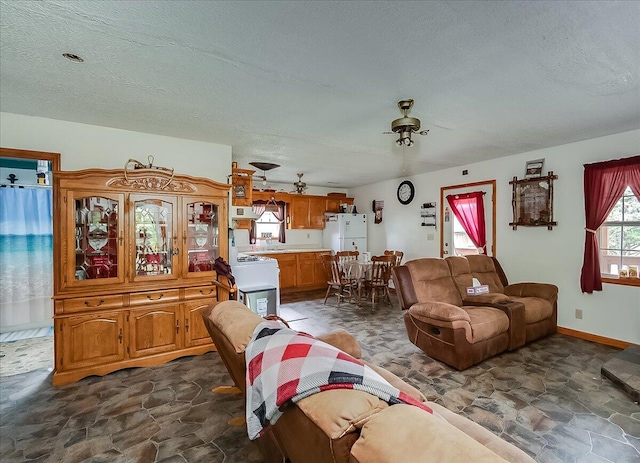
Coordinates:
x,y
83,146
528,253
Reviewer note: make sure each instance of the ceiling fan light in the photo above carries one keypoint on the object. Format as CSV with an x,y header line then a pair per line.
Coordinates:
x,y
399,142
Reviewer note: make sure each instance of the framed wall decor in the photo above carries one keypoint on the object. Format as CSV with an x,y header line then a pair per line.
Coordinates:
x,y
532,202
534,168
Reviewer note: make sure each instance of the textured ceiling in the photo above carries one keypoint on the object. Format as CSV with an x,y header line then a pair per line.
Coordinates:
x,y
312,85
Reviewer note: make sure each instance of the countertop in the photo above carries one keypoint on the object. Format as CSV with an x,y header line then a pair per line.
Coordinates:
x,y
284,251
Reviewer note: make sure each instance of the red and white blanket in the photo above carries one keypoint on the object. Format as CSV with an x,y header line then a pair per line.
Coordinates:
x,y
284,365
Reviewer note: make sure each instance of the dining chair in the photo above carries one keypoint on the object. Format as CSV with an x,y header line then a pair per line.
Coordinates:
x,y
336,279
376,281
398,255
345,258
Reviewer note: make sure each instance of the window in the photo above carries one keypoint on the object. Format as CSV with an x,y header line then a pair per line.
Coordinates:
x,y
619,237
267,224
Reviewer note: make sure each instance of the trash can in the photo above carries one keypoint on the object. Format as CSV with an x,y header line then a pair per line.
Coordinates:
x,y
260,299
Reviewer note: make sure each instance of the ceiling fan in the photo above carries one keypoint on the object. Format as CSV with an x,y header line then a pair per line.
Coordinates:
x,y
405,126
300,186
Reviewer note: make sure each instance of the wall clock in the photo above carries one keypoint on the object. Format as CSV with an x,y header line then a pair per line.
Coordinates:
x,y
406,192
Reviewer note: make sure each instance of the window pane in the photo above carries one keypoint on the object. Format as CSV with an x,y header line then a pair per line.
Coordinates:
x,y
630,258
268,224
631,209
616,213
611,236
609,262
631,238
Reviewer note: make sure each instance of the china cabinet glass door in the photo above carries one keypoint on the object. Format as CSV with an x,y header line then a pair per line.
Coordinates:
x,y
155,234
95,234
202,236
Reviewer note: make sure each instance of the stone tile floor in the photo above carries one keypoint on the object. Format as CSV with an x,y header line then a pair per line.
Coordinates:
x,y
547,398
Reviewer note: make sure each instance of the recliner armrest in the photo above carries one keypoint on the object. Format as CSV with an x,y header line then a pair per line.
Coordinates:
x,y
542,290
517,323
439,311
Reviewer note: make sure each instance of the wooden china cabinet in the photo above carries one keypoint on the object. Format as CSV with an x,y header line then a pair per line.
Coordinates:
x,y
134,255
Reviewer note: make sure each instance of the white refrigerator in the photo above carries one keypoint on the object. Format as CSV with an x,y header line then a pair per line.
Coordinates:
x,y
345,232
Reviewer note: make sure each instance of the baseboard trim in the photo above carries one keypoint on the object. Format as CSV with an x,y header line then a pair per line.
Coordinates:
x,y
595,338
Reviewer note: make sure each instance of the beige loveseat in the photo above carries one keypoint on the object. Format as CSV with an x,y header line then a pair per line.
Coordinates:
x,y
350,426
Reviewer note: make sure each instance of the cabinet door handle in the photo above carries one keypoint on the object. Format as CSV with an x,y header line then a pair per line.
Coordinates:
x,y
120,238
155,298
88,304
120,336
206,294
177,326
186,325
184,237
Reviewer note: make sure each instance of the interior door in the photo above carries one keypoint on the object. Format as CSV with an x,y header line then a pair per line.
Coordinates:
x,y
447,219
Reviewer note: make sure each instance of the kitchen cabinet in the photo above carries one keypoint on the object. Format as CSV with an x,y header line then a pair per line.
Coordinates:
x,y
241,187
300,271
134,257
288,265
310,271
333,203
307,212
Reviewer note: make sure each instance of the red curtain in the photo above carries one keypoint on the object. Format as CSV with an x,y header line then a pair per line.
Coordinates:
x,y
469,210
604,183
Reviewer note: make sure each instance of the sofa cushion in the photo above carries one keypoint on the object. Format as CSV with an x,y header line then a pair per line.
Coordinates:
x,y
343,340
340,411
482,435
484,270
486,322
402,433
236,325
461,273
535,308
432,281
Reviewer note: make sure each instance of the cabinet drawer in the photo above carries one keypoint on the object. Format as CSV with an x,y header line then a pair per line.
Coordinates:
x,y
82,304
163,295
200,292
306,256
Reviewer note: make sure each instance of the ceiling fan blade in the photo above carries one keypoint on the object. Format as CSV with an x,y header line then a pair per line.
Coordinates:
x,y
388,133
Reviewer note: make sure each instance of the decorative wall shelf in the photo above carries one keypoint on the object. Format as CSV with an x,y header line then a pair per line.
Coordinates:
x,y
428,214
532,202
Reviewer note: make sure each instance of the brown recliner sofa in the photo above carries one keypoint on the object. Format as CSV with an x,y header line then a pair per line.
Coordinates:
x,y
440,323
350,426
540,300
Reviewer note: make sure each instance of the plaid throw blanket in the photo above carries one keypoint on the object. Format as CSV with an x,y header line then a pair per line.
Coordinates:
x,y
284,365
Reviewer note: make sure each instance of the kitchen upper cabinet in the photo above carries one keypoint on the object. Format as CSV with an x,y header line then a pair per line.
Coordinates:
x,y
242,187
134,255
333,203
307,212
